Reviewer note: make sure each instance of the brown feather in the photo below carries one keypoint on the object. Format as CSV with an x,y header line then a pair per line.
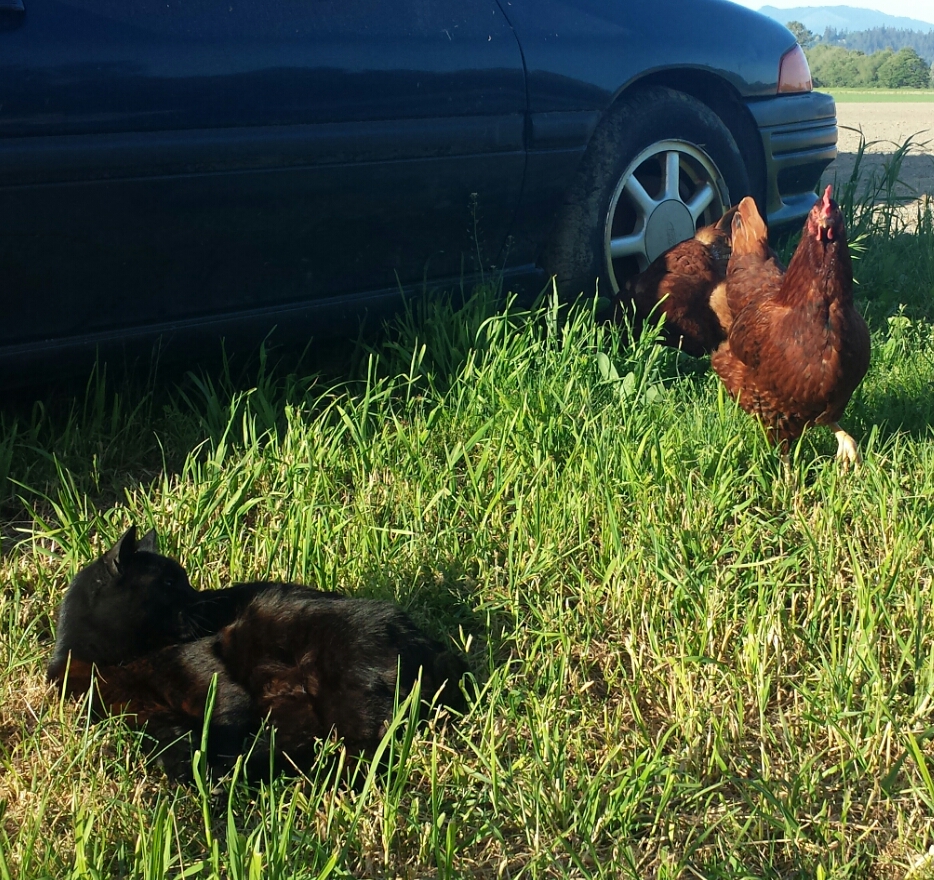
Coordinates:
x,y
749,232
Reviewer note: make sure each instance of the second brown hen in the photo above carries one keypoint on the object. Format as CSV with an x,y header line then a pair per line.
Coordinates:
x,y
686,284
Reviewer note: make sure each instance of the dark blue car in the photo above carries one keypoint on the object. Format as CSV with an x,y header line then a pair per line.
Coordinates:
x,y
197,169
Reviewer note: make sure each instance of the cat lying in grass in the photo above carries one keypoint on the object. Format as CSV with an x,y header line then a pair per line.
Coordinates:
x,y
315,664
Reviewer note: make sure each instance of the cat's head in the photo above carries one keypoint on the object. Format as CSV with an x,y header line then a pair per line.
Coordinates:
x,y
130,601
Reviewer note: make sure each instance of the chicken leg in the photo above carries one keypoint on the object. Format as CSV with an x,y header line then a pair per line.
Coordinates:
x,y
847,451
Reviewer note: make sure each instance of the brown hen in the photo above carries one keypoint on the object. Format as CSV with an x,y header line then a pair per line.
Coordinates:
x,y
796,348
686,284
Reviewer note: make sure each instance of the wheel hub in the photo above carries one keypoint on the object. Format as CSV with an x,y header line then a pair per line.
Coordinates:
x,y
669,223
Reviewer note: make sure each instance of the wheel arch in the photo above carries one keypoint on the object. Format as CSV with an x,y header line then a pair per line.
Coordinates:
x,y
723,100
580,238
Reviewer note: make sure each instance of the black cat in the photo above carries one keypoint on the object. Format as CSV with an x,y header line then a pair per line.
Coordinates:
x,y
315,664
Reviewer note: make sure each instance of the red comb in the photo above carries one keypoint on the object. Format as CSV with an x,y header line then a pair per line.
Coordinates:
x,y
825,205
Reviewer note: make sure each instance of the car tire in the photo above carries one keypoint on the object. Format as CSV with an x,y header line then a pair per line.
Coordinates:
x,y
659,165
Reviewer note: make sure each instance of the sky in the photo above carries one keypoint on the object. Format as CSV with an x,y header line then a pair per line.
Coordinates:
x,y
922,10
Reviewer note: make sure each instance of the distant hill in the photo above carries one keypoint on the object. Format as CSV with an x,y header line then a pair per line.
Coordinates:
x,y
844,18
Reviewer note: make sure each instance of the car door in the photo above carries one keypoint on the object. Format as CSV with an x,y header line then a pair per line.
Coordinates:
x,y
165,161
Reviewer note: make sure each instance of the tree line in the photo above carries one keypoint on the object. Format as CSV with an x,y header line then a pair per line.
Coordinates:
x,y
878,38
850,66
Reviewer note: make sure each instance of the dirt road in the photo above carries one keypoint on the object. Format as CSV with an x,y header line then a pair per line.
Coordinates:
x,y
886,126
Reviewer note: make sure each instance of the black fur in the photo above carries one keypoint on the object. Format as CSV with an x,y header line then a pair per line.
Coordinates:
x,y
316,664
166,692
129,602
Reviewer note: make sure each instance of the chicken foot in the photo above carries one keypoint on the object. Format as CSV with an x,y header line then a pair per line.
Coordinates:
x,y
847,451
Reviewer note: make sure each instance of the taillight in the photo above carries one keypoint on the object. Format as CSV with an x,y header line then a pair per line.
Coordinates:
x,y
794,75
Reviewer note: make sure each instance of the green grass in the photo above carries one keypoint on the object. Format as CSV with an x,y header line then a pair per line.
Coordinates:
x,y
862,96
687,664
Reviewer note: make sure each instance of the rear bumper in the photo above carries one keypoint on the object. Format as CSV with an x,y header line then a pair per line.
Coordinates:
x,y
799,140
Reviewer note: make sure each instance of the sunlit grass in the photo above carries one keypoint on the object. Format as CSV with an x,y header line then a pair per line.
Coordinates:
x,y
876,96
686,663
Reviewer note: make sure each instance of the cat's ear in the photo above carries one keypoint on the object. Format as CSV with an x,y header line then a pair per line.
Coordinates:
x,y
117,557
149,542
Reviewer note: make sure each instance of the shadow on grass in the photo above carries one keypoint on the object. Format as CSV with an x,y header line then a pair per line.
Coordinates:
x,y
122,423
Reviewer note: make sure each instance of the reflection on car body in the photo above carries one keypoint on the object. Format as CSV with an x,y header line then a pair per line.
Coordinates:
x,y
213,169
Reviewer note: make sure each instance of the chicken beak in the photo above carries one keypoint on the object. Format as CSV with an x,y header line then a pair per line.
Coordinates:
x,y
824,227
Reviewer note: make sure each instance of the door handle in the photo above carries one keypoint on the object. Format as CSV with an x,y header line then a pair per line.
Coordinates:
x,y
12,6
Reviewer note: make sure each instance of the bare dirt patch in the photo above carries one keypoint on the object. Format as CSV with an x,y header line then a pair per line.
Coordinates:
x,y
886,126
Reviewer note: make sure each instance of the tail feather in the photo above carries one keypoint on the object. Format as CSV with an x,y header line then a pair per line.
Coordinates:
x,y
750,234
725,223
